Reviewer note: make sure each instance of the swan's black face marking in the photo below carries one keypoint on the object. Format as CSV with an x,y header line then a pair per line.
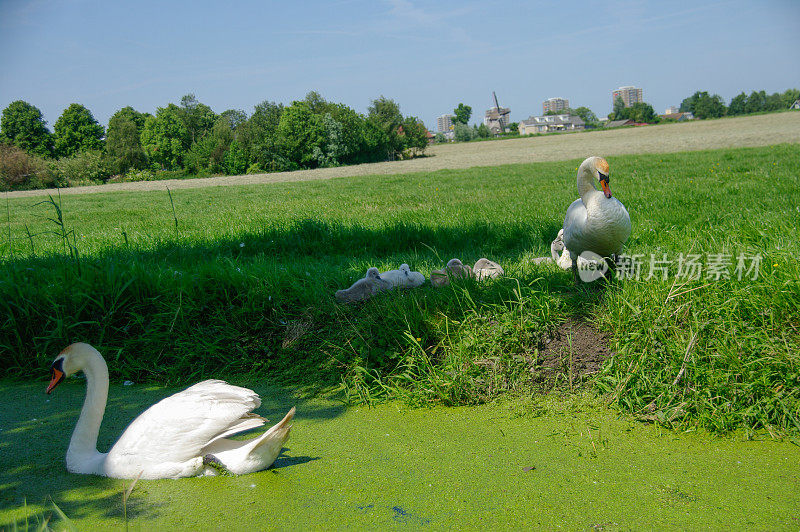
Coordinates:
x,y
56,374
604,184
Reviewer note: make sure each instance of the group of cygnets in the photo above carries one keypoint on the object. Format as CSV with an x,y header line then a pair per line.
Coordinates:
x,y
376,282
190,432
596,223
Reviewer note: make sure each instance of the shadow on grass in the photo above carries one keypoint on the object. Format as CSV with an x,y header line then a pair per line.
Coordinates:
x,y
256,305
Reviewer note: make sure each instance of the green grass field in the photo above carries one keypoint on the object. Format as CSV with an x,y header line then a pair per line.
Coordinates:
x,y
239,283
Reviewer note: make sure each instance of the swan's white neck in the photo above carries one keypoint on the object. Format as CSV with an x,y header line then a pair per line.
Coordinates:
x,y
82,453
586,185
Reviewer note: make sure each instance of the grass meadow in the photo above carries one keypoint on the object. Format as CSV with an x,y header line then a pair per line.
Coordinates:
x,y
237,282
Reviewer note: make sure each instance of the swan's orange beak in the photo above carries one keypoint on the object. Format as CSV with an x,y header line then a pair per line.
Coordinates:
x,y
604,185
56,375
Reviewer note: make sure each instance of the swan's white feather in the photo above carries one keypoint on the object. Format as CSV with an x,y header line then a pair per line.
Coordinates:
x,y
594,222
172,438
177,428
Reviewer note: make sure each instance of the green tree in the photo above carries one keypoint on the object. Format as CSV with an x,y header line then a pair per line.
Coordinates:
x,y
258,136
353,146
385,114
316,103
208,154
165,137
23,125
756,102
687,104
737,106
709,106
299,132
77,131
463,132
587,115
198,117
235,159
789,97
123,140
620,112
235,117
565,111
773,102
643,112
483,132
703,105
462,114
416,135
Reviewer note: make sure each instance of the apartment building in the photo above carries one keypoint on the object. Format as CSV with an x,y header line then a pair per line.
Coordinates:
x,y
630,95
555,105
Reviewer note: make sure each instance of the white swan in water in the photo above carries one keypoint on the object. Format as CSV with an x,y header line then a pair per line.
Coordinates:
x,y
596,221
184,435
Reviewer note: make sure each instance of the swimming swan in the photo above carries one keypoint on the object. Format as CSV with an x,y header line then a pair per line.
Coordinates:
x,y
596,221
184,435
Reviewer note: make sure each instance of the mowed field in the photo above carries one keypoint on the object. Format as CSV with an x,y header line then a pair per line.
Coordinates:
x,y
759,130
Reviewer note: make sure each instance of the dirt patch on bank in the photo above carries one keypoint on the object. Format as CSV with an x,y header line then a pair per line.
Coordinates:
x,y
573,351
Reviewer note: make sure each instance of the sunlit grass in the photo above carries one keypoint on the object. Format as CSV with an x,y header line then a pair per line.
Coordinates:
x,y
239,281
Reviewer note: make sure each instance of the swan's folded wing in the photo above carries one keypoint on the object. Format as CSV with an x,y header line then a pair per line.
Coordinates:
x,y
177,428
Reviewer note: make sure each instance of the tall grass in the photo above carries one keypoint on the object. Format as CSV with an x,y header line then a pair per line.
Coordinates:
x,y
246,289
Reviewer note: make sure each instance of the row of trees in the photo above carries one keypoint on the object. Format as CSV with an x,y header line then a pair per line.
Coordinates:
x,y
191,137
702,105
640,112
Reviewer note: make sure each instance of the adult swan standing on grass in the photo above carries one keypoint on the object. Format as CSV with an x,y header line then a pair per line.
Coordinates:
x,y
596,221
184,435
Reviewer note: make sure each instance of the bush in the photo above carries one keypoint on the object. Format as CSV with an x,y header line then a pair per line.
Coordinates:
x,y
255,168
140,175
20,170
89,167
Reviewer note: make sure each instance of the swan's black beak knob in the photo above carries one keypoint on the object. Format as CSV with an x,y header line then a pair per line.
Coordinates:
x,y
56,374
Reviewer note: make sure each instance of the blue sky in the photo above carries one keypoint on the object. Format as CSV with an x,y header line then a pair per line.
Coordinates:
x,y
427,56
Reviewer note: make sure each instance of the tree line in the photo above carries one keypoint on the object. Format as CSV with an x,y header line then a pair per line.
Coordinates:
x,y
703,105
192,139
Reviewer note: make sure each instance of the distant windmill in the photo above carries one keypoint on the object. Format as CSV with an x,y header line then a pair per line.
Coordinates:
x,y
497,118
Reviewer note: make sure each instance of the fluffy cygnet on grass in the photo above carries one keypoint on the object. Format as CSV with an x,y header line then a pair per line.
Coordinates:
x,y
403,277
487,269
365,288
455,269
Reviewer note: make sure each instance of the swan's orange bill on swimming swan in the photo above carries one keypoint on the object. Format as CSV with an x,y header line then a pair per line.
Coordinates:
x,y
57,375
186,434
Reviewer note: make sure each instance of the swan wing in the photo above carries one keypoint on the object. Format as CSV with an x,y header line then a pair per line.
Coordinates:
x,y
177,428
574,224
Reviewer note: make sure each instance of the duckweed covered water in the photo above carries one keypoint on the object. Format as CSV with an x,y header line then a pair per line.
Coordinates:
x,y
552,463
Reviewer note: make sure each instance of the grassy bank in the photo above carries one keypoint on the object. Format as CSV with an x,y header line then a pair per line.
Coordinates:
x,y
239,281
